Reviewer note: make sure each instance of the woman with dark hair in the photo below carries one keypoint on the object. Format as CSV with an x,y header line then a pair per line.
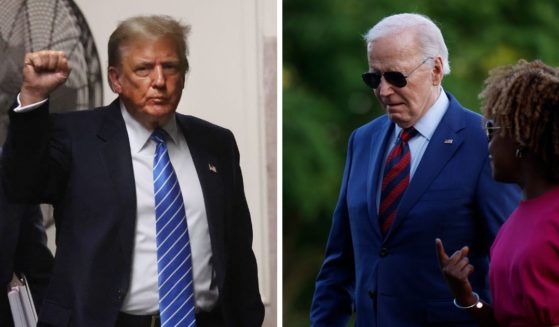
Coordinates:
x,y
521,107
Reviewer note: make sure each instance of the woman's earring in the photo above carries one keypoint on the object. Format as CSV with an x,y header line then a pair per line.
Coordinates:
x,y
519,153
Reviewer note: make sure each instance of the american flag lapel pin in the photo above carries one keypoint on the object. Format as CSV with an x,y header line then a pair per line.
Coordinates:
x,y
448,141
212,168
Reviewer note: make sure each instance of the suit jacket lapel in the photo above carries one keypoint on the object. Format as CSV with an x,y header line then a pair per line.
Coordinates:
x,y
376,158
208,170
437,154
115,151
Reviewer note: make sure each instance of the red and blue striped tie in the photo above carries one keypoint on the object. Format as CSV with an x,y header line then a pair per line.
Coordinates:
x,y
174,261
395,179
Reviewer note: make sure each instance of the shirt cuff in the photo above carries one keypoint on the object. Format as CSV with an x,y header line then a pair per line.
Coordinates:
x,y
29,107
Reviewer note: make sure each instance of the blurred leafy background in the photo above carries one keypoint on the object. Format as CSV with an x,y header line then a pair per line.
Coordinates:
x,y
324,99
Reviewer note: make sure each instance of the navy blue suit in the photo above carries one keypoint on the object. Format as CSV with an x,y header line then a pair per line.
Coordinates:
x,y
23,249
81,163
395,280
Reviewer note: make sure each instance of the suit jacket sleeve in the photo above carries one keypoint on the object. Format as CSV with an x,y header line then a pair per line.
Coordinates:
x,y
35,157
244,293
332,303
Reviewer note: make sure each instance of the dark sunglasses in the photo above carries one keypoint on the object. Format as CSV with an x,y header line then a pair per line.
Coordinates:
x,y
490,129
397,79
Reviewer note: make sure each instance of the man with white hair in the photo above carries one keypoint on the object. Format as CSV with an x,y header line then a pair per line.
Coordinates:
x,y
417,173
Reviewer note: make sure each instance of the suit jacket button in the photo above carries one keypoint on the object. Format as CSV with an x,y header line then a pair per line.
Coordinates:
x,y
383,252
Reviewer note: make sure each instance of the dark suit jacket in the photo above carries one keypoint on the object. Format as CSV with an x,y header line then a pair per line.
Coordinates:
x,y
395,280
81,163
23,249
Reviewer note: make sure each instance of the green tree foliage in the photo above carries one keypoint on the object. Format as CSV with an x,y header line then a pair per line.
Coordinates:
x,y
324,99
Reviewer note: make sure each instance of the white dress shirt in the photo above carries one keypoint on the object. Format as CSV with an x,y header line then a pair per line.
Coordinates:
x,y
143,295
425,127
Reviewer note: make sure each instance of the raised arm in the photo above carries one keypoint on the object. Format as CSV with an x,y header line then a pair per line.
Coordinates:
x,y
30,171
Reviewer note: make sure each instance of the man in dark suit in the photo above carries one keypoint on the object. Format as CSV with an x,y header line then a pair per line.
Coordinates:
x,y
132,252
418,173
23,249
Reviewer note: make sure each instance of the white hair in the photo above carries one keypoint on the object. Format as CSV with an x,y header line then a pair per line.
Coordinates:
x,y
429,36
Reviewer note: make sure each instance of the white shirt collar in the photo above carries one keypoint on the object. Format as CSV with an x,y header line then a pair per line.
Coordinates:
x,y
139,135
427,124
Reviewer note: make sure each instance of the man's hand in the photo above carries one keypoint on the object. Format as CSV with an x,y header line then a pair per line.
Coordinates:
x,y
43,72
456,271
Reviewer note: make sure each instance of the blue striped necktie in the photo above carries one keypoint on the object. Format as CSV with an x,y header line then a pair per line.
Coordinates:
x,y
174,261
395,179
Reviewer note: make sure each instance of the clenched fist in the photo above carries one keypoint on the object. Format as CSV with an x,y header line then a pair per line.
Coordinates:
x,y
43,72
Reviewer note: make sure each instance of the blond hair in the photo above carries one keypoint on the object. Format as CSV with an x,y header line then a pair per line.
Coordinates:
x,y
149,27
